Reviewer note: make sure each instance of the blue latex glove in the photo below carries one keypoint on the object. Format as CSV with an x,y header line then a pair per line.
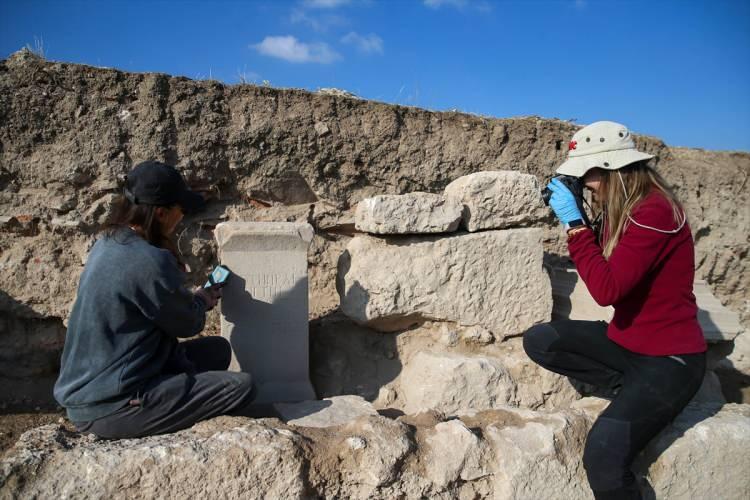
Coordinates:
x,y
563,202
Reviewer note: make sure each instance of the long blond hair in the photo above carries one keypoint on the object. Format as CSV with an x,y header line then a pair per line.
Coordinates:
x,y
621,190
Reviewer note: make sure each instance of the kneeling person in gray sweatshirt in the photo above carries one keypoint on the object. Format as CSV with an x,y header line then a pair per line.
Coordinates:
x,y
123,372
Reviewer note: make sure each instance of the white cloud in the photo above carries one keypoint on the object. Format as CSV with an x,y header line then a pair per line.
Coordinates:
x,y
325,4
317,23
292,50
367,43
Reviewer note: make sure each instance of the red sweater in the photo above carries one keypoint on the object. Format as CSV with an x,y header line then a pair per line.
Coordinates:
x,y
648,279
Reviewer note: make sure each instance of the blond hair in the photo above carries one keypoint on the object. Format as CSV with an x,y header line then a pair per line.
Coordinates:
x,y
619,196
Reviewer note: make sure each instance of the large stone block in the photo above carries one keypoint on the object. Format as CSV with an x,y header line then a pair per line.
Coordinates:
x,y
498,199
265,305
451,383
408,213
494,279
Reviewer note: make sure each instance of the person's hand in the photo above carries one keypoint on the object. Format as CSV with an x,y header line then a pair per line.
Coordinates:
x,y
210,295
563,202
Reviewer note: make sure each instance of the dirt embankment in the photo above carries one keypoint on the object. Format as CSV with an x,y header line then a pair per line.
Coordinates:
x,y
68,133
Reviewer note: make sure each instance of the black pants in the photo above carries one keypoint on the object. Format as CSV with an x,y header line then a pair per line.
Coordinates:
x,y
652,391
193,387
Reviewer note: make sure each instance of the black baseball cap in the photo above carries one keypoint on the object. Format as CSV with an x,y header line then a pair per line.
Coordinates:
x,y
155,183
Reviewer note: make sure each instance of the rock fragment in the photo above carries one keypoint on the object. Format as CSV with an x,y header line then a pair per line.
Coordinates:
x,y
411,213
455,453
374,458
498,199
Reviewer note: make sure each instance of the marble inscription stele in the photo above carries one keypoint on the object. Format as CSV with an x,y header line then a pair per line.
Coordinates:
x,y
264,308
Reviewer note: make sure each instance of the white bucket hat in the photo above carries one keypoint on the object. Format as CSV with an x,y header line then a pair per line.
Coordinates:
x,y
606,145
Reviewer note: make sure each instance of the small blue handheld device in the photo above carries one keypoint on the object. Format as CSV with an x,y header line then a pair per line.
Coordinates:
x,y
219,276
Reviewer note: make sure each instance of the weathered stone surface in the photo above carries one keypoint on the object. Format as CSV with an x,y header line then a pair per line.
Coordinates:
x,y
538,455
498,199
265,304
244,459
373,453
494,279
704,453
408,214
328,412
505,453
454,452
451,383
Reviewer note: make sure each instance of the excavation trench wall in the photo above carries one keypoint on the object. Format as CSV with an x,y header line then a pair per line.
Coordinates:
x,y
68,133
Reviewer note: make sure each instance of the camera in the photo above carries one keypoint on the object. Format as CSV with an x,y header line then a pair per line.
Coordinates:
x,y
575,185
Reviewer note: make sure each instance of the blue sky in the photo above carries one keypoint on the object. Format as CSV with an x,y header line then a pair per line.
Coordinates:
x,y
679,70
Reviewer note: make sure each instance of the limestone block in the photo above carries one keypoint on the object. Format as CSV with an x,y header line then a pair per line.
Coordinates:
x,y
328,412
241,461
264,309
493,279
408,213
704,453
498,199
454,452
450,383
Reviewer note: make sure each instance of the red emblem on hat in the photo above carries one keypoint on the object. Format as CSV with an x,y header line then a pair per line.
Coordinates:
x,y
572,145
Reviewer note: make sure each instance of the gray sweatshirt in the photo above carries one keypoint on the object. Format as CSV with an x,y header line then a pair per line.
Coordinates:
x,y
131,307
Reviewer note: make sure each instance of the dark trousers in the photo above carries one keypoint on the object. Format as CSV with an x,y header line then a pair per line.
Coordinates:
x,y
651,391
194,386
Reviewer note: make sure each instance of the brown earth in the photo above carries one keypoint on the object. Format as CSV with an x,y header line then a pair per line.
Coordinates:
x,y
68,133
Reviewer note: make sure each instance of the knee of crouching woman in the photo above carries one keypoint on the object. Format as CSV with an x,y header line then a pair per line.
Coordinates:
x,y
537,340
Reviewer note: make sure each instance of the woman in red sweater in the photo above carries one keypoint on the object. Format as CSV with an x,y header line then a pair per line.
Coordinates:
x,y
652,353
